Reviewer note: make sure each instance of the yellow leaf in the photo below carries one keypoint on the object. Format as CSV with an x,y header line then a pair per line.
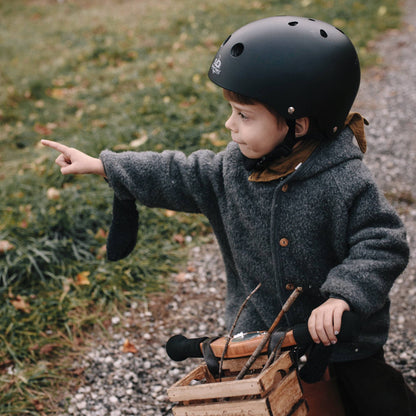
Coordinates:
x,y
98,123
214,139
340,23
219,143
382,10
82,279
56,93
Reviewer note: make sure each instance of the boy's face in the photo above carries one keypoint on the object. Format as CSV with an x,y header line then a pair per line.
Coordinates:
x,y
255,129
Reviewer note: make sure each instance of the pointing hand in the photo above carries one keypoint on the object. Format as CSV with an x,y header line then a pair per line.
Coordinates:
x,y
73,161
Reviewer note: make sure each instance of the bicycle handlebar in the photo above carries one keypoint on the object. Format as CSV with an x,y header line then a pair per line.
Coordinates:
x,y
180,348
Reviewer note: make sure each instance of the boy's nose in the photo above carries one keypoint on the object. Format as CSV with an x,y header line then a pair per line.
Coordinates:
x,y
229,123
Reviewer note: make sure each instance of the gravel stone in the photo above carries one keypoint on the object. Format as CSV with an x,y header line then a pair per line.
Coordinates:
x,y
118,383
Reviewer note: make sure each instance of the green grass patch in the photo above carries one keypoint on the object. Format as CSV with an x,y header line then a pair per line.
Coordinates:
x,y
118,75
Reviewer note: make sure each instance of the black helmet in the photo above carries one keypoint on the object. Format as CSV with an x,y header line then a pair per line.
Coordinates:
x,y
298,66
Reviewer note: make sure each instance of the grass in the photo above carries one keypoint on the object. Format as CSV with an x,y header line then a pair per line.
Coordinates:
x,y
106,74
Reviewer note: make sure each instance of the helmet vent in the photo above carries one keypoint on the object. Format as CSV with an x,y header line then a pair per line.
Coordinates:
x,y
324,34
293,23
237,49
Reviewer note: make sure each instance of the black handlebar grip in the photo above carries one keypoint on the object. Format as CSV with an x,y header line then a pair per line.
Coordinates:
x,y
350,328
179,347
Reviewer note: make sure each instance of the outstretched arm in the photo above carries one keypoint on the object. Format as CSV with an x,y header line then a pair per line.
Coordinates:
x,y
73,161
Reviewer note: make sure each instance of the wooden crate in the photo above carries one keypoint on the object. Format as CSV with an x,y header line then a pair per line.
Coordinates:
x,y
275,392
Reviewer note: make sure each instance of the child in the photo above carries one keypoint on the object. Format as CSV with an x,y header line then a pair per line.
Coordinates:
x,y
289,199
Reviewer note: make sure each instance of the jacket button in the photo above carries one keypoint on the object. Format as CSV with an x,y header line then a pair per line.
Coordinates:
x,y
290,286
285,187
284,242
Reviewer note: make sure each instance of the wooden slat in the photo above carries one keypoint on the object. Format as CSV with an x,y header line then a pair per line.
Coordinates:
x,y
197,373
272,375
259,385
264,393
287,393
236,364
240,408
244,387
302,410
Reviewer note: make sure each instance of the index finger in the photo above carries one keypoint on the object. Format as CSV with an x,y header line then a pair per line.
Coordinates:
x,y
55,145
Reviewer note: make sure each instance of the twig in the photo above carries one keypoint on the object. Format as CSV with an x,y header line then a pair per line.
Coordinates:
x,y
230,334
273,354
268,334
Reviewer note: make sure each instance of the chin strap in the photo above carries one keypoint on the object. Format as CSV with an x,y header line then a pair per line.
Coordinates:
x,y
282,149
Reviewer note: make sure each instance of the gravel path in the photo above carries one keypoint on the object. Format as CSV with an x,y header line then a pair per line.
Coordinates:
x,y
118,383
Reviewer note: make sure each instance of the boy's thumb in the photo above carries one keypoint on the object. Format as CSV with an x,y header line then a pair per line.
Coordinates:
x,y
67,170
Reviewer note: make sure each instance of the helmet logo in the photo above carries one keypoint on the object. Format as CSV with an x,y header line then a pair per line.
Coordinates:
x,y
216,65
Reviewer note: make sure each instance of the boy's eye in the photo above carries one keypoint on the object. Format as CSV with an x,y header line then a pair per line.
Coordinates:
x,y
243,116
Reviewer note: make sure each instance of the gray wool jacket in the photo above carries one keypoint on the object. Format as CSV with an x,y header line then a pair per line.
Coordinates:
x,y
325,227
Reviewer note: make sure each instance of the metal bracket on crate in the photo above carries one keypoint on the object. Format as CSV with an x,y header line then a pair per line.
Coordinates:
x,y
212,362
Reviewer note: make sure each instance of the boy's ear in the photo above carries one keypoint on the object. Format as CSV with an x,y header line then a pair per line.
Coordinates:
x,y
302,126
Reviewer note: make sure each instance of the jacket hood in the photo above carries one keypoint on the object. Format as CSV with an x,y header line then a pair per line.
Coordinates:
x,y
330,153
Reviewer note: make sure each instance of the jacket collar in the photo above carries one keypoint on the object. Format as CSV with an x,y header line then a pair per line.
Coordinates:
x,y
286,165
332,152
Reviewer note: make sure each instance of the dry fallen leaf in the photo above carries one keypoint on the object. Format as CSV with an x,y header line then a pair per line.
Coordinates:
x,y
53,194
129,347
82,279
101,253
42,129
139,141
180,277
38,405
20,304
78,371
65,289
179,238
101,234
47,349
5,246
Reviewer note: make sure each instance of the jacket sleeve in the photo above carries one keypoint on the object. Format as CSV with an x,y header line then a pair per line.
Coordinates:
x,y
377,253
168,180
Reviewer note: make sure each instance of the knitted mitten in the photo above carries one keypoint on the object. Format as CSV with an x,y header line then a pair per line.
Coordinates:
x,y
122,236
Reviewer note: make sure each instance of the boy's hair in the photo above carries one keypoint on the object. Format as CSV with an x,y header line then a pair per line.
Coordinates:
x,y
243,99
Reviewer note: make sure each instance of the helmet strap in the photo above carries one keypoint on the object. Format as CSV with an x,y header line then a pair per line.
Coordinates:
x,y
282,149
